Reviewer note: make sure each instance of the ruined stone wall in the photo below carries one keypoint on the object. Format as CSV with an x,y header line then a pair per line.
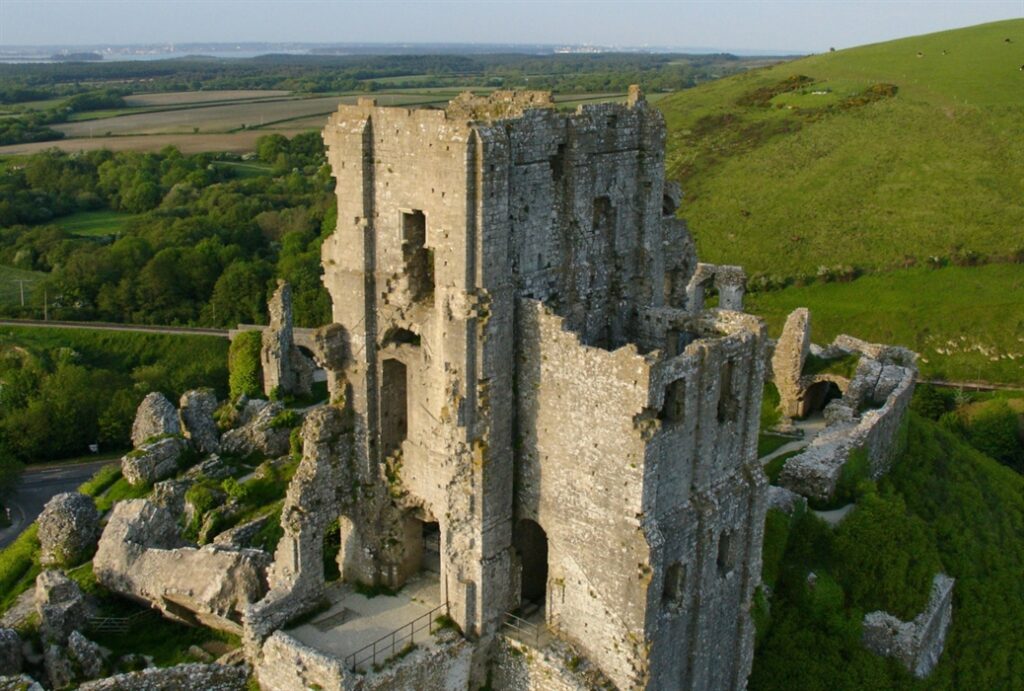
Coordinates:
x,y
285,664
580,470
917,644
704,505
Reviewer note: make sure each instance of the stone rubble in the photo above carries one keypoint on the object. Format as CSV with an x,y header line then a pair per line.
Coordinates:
x,y
153,461
257,433
196,409
10,652
141,555
69,528
155,417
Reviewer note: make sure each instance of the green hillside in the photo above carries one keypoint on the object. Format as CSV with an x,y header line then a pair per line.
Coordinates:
x,y
877,157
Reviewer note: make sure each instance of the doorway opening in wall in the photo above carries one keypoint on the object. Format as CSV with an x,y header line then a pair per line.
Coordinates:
x,y
394,412
531,542
819,395
419,259
431,558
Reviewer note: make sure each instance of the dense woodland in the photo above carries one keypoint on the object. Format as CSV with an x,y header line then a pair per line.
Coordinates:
x,y
203,248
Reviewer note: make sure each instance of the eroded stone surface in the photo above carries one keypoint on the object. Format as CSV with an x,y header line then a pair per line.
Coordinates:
x,y
917,644
152,461
69,527
10,652
286,371
61,606
187,677
197,424
155,417
257,433
139,556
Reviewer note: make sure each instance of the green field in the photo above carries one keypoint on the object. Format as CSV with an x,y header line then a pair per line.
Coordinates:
x,y
95,223
784,177
966,322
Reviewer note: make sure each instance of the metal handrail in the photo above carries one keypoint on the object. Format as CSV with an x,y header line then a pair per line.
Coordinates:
x,y
115,624
370,651
527,628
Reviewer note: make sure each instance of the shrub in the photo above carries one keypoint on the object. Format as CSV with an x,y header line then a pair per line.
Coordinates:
x,y
245,372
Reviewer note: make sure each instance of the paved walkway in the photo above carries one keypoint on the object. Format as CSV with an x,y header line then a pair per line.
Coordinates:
x,y
811,427
355,621
835,516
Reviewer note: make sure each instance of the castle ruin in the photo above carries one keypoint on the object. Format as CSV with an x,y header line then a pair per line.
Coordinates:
x,y
533,396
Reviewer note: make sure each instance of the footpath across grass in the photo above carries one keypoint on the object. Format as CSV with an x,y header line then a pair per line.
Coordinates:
x,y
967,323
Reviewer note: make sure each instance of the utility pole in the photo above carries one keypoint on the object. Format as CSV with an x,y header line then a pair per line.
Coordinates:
x,y
21,284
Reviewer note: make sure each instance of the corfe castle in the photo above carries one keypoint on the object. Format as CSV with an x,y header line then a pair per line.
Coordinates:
x,y
540,444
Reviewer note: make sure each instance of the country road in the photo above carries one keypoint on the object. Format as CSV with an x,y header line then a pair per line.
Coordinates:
x,y
111,326
37,485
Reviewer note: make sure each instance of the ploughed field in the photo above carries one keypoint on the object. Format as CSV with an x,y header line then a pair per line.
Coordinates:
x,y
229,120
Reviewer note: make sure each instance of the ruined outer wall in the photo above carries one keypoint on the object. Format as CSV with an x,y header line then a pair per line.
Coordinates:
x,y
580,476
704,506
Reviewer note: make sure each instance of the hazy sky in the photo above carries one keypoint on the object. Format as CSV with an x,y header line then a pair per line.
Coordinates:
x,y
778,25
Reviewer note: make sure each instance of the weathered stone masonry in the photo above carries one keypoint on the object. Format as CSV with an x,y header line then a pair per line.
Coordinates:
x,y
523,368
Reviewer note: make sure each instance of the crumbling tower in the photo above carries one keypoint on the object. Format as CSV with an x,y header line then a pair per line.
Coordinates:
x,y
526,377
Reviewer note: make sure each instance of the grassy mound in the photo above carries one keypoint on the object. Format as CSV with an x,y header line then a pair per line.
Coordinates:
x,y
877,156
944,505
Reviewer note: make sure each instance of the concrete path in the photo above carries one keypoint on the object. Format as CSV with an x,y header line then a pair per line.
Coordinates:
x,y
112,326
811,427
38,484
354,621
835,516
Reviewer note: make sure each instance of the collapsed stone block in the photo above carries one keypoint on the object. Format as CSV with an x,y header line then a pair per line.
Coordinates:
x,y
917,644
61,606
259,432
196,413
10,652
152,461
139,556
69,527
155,417
21,682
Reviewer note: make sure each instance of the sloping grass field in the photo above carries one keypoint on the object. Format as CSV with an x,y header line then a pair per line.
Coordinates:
x,y
873,159
95,223
967,323
786,176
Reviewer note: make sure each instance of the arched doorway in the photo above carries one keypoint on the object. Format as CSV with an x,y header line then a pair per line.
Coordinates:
x,y
531,542
819,395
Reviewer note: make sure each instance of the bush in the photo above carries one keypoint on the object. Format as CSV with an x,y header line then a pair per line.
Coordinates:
x,y
245,373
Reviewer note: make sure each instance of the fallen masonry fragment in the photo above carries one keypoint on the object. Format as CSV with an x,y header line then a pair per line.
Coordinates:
x,y
142,556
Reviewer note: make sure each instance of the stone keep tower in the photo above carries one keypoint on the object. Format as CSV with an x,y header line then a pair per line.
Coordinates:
x,y
527,378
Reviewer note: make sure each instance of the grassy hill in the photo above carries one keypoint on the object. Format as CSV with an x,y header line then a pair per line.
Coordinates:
x,y
877,156
874,159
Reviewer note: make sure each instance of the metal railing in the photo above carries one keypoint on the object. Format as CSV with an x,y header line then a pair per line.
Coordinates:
x,y
115,624
528,631
391,644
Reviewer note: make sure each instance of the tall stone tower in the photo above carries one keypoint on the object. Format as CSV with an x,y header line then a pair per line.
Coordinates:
x,y
527,378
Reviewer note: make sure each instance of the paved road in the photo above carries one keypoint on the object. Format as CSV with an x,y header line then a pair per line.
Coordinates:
x,y
111,326
38,484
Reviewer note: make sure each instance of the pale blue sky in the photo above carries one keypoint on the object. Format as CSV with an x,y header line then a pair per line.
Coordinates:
x,y
777,25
